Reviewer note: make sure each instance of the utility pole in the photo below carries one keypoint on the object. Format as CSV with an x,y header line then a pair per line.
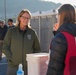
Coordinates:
x,y
5,9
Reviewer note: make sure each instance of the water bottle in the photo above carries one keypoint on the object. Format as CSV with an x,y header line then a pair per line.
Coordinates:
x,y
20,70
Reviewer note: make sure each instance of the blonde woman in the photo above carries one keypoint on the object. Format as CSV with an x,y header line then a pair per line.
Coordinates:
x,y
19,41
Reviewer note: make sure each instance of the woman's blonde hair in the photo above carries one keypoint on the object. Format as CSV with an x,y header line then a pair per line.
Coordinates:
x,y
20,14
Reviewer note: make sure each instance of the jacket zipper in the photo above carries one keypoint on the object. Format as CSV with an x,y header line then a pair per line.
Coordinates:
x,y
23,51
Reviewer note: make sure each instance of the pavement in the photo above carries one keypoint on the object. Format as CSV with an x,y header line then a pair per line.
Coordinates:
x,y
3,65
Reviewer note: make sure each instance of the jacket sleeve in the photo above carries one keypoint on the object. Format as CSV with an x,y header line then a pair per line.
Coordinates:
x,y
6,45
57,55
36,44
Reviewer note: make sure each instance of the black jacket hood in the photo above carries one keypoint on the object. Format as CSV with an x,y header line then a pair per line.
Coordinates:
x,y
69,27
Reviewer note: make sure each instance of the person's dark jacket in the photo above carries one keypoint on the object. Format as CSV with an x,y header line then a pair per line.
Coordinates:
x,y
3,32
11,26
54,32
58,50
18,43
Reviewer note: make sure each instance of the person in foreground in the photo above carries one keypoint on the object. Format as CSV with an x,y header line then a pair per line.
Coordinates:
x,y
19,41
59,44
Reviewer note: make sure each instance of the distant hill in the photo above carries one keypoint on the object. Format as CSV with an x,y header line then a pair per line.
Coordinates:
x,y
13,7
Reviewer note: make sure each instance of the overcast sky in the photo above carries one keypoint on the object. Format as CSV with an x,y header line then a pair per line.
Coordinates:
x,y
73,2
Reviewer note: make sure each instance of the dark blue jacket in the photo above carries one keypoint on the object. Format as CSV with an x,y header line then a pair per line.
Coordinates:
x,y
3,32
58,49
